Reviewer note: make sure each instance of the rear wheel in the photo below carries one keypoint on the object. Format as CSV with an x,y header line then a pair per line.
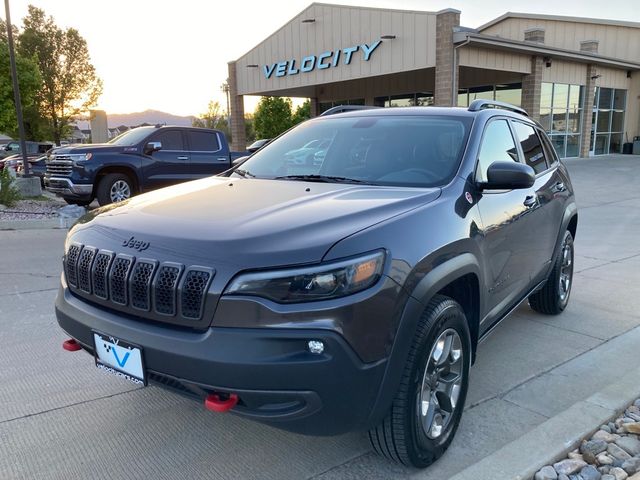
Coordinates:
x,y
553,298
427,408
114,187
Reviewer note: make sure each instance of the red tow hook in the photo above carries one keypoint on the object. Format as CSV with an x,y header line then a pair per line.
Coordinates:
x,y
216,403
71,345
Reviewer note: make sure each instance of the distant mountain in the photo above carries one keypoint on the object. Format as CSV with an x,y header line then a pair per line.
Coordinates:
x,y
148,116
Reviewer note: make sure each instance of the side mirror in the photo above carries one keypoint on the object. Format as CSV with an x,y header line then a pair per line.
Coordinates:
x,y
239,161
509,176
151,147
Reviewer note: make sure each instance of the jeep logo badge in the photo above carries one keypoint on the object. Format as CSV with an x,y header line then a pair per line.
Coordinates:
x,y
136,244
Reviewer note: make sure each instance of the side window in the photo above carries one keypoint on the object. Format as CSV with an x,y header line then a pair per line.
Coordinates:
x,y
552,156
171,140
531,146
497,146
203,141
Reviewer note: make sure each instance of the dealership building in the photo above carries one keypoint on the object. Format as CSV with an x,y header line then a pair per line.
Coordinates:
x,y
579,77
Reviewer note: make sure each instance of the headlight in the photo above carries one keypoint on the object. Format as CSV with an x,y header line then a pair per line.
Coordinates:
x,y
320,282
80,157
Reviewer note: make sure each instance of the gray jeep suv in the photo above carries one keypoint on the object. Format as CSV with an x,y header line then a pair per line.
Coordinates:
x,y
344,290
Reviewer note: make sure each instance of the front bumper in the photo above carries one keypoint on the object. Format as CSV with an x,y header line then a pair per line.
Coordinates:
x,y
270,369
66,188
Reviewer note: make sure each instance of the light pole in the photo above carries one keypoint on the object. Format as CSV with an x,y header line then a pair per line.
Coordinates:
x,y
16,92
225,88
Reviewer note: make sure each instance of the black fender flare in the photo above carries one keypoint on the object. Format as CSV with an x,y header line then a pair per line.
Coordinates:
x,y
570,212
438,278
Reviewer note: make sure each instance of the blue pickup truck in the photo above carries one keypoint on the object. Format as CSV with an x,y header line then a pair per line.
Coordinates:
x,y
140,160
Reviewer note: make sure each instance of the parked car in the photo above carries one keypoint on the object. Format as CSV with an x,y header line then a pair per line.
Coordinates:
x,y
257,145
311,152
33,148
36,152
139,160
350,296
37,166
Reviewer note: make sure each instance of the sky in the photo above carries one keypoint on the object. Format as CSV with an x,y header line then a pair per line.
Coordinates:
x,y
172,55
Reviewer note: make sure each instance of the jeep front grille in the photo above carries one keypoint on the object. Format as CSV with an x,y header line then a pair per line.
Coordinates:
x,y
144,286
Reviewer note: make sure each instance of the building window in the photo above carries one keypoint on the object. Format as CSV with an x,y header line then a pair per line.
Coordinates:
x,y
420,99
324,106
509,93
561,116
609,106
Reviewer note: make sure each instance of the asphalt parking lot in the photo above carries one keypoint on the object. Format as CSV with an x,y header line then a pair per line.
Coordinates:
x,y
62,418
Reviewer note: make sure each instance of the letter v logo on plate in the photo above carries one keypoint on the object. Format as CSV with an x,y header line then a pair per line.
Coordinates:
x,y
124,359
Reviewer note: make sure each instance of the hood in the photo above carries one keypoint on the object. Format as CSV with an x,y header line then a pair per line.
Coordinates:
x,y
249,223
90,148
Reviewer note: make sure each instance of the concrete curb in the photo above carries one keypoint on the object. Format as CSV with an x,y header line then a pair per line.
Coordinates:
x,y
553,439
40,224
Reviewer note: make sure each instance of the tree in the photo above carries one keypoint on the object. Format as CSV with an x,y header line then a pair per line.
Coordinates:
x,y
70,84
302,113
249,131
30,83
215,118
272,117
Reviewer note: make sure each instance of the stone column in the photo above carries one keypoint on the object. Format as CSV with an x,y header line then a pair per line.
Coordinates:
x,y
587,111
444,88
532,88
315,107
239,138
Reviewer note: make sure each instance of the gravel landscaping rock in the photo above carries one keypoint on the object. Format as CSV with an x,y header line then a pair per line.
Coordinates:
x,y
632,428
632,465
619,474
617,452
546,473
612,453
629,444
569,466
590,473
590,449
31,210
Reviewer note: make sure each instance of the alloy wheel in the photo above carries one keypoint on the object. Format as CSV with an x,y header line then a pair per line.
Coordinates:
x,y
441,384
566,270
120,191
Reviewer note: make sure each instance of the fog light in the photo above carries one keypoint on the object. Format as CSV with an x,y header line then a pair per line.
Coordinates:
x,y
315,346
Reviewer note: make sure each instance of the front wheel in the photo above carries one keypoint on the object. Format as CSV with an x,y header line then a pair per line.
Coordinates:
x,y
427,408
553,297
114,187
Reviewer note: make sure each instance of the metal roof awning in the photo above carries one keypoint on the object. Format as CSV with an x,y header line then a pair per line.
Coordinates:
x,y
531,48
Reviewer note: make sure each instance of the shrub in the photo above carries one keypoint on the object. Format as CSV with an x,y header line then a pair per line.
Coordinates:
x,y
9,194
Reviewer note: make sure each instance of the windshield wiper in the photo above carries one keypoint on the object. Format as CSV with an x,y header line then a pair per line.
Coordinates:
x,y
320,178
243,173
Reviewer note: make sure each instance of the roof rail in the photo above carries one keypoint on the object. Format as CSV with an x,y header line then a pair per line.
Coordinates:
x,y
481,104
345,108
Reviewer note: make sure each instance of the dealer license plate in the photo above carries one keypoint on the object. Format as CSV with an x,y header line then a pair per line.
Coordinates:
x,y
119,358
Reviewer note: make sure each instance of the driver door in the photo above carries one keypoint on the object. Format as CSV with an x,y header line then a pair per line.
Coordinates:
x,y
506,239
170,164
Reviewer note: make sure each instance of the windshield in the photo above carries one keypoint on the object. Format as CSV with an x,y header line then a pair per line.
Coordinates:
x,y
131,137
422,151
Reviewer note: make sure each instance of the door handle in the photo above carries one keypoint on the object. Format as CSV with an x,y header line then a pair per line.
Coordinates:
x,y
530,201
183,157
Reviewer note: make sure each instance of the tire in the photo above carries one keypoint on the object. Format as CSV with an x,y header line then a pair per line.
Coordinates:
x,y
402,436
553,297
82,203
114,187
